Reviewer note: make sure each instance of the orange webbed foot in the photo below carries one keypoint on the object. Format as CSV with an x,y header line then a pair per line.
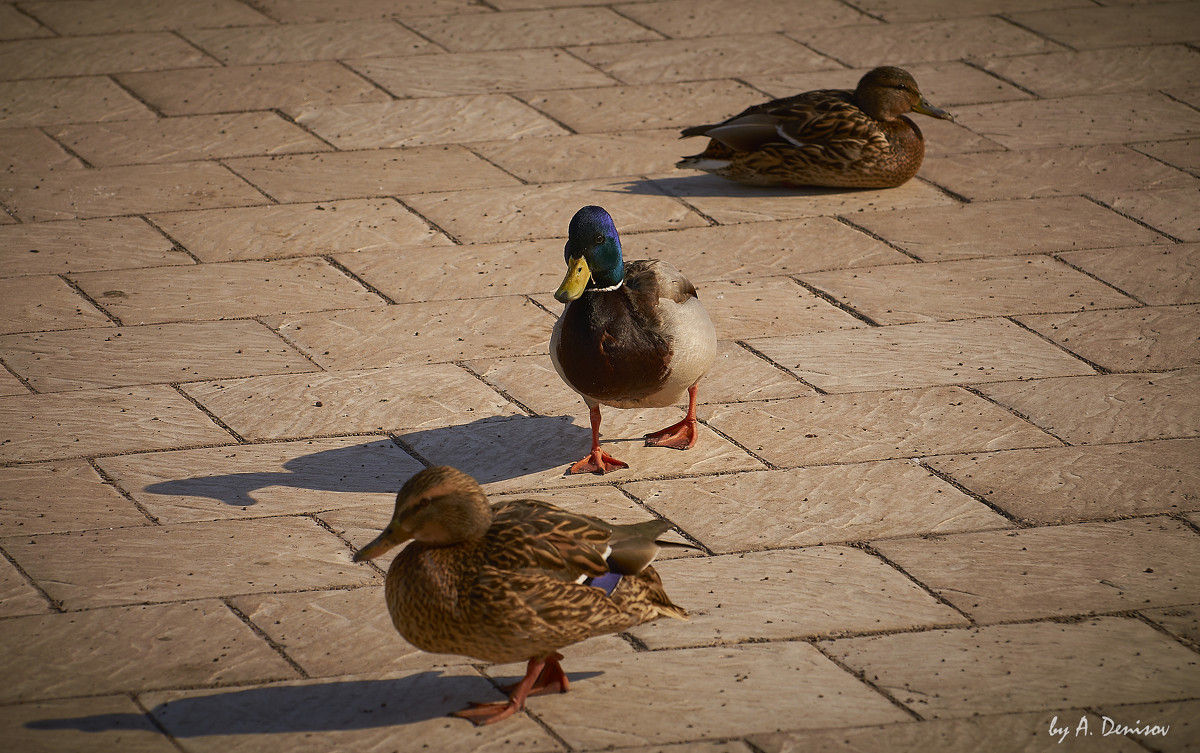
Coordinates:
x,y
597,461
681,436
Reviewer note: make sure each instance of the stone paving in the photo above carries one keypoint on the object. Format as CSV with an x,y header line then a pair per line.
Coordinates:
x,y
262,260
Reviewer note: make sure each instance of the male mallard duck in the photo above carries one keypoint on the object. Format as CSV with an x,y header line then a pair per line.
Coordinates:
x,y
828,137
631,336
513,581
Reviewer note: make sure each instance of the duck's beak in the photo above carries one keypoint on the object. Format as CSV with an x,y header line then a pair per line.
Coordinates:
x,y
391,537
576,280
925,108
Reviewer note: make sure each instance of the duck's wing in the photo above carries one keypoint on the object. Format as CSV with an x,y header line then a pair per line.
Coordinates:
x,y
823,119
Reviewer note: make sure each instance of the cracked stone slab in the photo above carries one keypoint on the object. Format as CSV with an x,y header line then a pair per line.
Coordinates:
x,y
309,229
1105,409
786,595
1128,340
1025,667
221,291
1002,228
412,333
63,247
372,712
94,358
715,693
132,649
29,495
96,723
88,422
287,478
1000,576
349,402
807,506
1065,484
873,426
143,564
918,355
1159,276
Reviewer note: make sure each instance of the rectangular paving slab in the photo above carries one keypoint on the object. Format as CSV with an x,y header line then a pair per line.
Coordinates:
x,y
785,595
1158,276
918,355
626,701
101,722
88,422
1000,576
69,247
1063,484
1142,339
1026,667
802,507
87,99
349,402
133,648
1109,408
143,564
260,480
91,358
30,497
873,426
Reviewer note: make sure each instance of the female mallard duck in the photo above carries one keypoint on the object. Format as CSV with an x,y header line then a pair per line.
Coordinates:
x,y
513,581
829,137
631,335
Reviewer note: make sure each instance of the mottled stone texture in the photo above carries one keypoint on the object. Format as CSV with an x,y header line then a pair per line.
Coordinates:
x,y
261,261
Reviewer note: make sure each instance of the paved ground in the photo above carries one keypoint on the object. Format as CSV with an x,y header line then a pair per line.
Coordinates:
x,y
263,259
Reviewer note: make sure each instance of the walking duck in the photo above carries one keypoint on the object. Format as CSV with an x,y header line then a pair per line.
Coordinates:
x,y
512,581
632,335
828,137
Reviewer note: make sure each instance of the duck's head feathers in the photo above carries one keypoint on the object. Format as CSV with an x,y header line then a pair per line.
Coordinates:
x,y
593,254
439,506
887,92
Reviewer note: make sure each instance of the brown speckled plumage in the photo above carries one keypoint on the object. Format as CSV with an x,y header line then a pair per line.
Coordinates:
x,y
508,582
829,137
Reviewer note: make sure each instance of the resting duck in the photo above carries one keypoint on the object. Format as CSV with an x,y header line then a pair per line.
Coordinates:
x,y
513,581
632,335
828,137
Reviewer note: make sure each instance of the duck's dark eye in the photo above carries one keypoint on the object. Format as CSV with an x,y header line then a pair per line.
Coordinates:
x,y
599,239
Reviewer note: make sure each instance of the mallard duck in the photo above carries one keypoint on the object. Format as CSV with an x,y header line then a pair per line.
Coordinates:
x,y
828,137
632,335
512,581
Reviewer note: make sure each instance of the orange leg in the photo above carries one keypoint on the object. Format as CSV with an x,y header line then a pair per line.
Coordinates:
x,y
541,676
597,461
681,436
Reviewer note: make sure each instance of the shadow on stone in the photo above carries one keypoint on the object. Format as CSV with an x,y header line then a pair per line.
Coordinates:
x,y
491,449
316,707
711,185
